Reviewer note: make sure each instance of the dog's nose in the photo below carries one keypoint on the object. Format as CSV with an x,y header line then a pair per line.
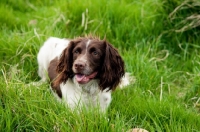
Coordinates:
x,y
79,65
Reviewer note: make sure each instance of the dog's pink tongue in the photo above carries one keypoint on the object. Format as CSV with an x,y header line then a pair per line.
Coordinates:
x,y
82,79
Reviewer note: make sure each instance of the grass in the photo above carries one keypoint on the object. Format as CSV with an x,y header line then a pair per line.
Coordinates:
x,y
166,64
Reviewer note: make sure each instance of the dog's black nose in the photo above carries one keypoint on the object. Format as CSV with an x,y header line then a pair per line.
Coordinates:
x,y
79,65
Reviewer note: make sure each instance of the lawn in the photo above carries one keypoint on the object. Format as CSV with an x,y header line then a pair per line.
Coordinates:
x,y
158,40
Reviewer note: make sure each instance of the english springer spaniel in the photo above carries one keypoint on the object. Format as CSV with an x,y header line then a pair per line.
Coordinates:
x,y
82,71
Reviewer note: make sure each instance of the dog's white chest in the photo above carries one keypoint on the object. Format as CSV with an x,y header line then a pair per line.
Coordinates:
x,y
85,95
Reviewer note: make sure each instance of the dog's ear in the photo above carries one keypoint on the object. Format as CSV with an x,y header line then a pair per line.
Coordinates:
x,y
64,67
113,68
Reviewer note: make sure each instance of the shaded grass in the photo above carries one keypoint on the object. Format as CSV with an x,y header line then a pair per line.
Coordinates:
x,y
181,24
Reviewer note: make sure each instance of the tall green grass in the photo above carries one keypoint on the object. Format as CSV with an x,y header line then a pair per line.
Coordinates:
x,y
165,63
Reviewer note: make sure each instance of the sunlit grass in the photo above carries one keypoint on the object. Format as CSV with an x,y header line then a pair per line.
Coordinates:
x,y
165,96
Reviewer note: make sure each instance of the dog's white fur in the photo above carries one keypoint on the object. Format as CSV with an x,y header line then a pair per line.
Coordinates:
x,y
73,93
51,49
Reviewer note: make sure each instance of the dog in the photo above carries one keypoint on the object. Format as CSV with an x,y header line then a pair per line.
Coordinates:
x,y
82,71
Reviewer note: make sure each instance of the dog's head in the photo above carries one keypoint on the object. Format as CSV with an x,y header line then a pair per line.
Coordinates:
x,y
90,58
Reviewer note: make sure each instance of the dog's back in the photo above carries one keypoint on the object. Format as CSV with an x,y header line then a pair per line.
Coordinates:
x,y
51,49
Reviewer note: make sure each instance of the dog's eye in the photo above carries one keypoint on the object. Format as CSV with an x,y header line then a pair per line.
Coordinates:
x,y
76,51
95,53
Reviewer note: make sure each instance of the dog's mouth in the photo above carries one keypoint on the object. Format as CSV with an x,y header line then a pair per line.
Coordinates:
x,y
83,79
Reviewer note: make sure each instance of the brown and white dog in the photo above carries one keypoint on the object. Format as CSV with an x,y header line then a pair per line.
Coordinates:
x,y
82,71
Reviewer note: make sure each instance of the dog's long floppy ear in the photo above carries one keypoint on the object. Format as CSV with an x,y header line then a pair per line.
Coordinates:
x,y
64,67
113,68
